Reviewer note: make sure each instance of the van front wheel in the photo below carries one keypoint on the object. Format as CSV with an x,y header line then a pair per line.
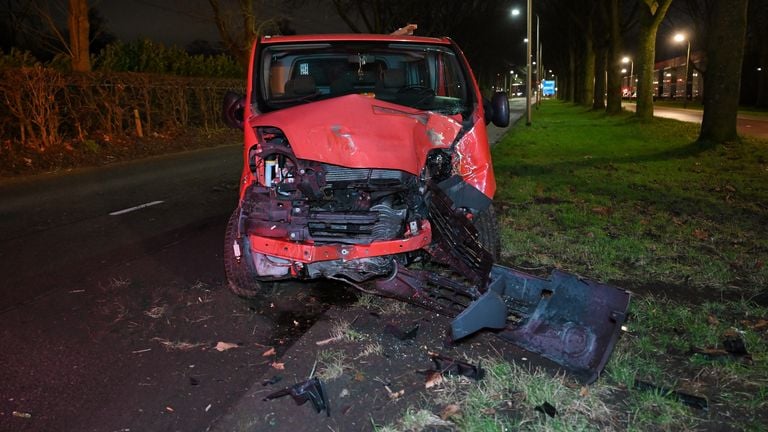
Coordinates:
x,y
241,277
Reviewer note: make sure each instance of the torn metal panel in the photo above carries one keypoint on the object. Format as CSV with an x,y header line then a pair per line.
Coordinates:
x,y
572,321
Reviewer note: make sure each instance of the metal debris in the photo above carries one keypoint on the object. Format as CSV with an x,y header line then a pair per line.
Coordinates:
x,y
312,390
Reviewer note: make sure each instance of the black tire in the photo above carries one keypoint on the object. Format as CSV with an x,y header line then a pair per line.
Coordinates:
x,y
241,278
488,231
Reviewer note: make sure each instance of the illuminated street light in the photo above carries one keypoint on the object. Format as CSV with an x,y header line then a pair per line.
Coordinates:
x,y
527,60
680,38
626,60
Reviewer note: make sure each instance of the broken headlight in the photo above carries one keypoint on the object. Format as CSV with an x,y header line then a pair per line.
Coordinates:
x,y
439,165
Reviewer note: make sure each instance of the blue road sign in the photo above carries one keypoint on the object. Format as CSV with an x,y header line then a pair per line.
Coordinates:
x,y
548,87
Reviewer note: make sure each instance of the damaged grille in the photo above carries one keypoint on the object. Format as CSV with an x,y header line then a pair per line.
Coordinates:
x,y
381,223
337,174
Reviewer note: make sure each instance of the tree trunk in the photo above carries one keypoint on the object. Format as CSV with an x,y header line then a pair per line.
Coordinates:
x,y
652,12
587,75
614,58
725,53
598,99
77,22
570,92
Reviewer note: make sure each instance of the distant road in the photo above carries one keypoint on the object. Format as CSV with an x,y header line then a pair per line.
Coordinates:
x,y
747,125
516,111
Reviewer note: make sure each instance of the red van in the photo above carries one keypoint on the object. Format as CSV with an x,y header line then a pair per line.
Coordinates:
x,y
366,160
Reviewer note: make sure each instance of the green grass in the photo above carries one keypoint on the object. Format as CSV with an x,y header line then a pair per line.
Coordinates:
x,y
621,200
641,204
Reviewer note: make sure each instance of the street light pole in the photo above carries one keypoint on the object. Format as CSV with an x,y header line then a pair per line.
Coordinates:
x,y
679,38
528,66
631,74
685,84
538,64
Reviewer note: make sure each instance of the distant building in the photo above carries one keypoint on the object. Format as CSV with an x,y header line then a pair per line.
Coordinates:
x,y
669,80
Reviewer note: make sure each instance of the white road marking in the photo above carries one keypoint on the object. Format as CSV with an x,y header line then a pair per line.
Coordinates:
x,y
138,207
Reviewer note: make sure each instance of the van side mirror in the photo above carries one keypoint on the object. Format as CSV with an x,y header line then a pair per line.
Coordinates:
x,y
233,110
500,105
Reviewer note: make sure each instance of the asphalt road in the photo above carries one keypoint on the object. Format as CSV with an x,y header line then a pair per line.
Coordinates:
x,y
108,320
747,125
112,298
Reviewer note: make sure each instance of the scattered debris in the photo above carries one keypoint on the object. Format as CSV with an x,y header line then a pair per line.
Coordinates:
x,y
274,380
312,390
278,366
156,311
400,333
685,398
141,351
224,346
329,340
341,330
344,393
169,409
207,407
177,346
394,395
269,352
546,408
734,343
434,378
21,414
758,325
429,419
450,411
602,211
448,366
733,348
700,234
77,291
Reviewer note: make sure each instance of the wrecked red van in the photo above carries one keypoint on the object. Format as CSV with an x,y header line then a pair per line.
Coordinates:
x,y
344,135
366,160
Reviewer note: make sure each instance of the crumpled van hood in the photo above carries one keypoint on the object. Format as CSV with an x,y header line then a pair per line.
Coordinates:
x,y
362,132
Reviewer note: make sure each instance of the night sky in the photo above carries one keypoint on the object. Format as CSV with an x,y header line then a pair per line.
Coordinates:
x,y
179,22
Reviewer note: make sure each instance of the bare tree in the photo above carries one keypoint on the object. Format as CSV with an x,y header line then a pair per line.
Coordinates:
x,y
726,30
238,38
79,30
652,13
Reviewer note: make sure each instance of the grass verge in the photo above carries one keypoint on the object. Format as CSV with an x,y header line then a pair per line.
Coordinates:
x,y
630,202
643,206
